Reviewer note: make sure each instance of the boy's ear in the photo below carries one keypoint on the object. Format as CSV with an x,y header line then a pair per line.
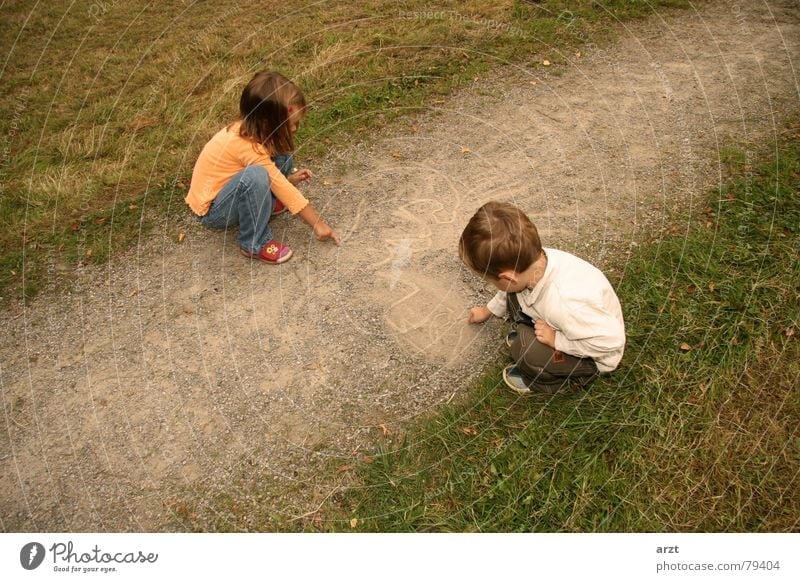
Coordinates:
x,y
510,276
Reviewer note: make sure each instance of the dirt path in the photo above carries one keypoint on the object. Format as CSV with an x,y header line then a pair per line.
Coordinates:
x,y
185,367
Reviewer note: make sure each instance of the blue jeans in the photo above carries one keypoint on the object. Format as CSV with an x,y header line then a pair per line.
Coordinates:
x,y
247,200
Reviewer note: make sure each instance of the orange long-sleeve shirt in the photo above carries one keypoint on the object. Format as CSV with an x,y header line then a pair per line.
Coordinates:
x,y
226,154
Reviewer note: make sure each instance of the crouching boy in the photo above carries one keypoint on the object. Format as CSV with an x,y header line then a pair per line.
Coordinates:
x,y
566,320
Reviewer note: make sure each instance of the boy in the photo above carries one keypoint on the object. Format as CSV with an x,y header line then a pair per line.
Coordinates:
x,y
566,319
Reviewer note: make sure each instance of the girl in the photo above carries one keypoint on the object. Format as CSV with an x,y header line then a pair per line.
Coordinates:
x,y
244,174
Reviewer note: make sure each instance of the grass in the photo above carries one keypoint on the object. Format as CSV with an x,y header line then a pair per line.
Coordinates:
x,y
696,431
104,105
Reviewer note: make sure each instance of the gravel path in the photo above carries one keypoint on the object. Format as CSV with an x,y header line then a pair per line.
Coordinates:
x,y
184,369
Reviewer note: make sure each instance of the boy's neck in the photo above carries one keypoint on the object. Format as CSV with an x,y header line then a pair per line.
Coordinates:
x,y
535,272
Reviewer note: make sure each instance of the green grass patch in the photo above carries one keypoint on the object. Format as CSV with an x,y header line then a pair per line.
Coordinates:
x,y
698,430
99,100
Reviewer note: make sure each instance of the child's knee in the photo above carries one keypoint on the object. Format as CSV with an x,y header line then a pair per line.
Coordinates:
x,y
284,162
257,177
526,336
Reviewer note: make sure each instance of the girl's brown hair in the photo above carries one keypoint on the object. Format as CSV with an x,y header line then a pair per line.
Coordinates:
x,y
264,108
500,237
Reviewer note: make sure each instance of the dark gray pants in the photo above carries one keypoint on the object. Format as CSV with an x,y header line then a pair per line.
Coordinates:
x,y
546,369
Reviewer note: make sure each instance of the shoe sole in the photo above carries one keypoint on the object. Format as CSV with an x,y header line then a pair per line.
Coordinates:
x,y
515,389
540,388
281,260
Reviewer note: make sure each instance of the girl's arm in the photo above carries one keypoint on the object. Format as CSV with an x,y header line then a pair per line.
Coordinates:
x,y
321,230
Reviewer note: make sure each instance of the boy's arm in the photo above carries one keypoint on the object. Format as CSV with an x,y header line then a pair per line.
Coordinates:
x,y
479,314
497,306
590,333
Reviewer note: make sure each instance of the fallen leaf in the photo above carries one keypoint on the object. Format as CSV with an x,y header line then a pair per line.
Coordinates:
x,y
690,289
142,123
384,430
354,522
546,63
317,519
181,236
75,226
685,347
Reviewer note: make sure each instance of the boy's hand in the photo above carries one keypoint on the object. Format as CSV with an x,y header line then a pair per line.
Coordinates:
x,y
479,314
324,232
300,176
544,333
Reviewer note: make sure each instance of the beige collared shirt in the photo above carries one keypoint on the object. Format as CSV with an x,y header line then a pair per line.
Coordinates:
x,y
575,299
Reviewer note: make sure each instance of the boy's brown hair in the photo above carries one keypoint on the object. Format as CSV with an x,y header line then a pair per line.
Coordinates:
x,y
264,108
500,237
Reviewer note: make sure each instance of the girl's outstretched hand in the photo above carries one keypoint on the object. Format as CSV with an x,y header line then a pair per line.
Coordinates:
x,y
300,176
324,232
479,314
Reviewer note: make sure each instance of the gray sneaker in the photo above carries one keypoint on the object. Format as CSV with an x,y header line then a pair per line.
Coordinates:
x,y
544,383
514,379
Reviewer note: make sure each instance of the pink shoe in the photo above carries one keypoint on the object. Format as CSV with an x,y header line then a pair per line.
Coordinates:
x,y
278,208
273,252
